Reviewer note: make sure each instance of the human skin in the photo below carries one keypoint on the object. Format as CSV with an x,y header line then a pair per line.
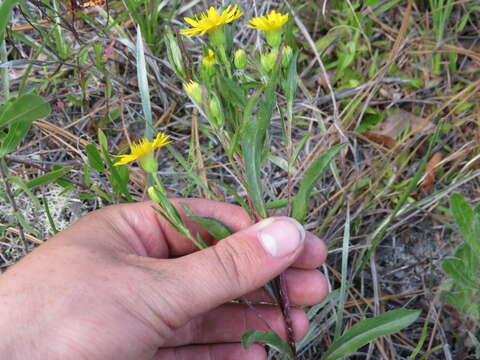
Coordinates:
x,y
122,284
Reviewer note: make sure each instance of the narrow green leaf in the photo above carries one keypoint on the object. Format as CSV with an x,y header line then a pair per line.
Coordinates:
x,y
237,197
312,175
370,329
214,227
94,158
26,108
299,147
24,223
48,177
271,338
232,92
118,175
102,141
49,216
291,83
186,166
86,175
102,193
253,142
5,10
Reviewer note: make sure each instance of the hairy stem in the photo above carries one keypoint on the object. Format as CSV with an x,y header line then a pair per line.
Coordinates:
x,y
284,302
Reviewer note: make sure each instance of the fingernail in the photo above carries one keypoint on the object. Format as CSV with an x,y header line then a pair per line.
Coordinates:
x,y
280,236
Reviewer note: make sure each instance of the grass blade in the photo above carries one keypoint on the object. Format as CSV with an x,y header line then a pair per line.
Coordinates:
x,y
143,86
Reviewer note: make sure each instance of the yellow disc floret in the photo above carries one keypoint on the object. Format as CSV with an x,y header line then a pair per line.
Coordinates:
x,y
143,149
272,21
210,20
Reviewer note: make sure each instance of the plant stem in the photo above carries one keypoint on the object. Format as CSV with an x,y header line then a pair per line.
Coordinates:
x,y
5,91
284,303
14,207
168,209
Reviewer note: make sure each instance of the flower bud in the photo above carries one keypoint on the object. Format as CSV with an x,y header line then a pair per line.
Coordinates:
x,y
209,59
154,195
207,66
287,56
175,55
194,90
269,60
216,113
240,59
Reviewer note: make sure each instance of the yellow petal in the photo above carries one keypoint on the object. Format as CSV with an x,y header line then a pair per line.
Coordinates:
x,y
124,159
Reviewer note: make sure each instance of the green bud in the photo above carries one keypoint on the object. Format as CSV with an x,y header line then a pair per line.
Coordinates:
x,y
154,195
240,59
287,56
216,112
175,55
207,66
269,60
194,90
274,37
148,163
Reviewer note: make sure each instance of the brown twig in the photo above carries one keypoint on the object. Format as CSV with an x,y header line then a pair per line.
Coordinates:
x,y
284,303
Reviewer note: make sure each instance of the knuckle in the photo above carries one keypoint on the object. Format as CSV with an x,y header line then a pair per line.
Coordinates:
x,y
235,264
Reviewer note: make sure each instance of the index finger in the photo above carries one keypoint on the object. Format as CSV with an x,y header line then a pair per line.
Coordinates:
x,y
151,235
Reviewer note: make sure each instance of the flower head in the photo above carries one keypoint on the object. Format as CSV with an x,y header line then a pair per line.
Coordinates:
x,y
210,20
273,21
194,90
142,150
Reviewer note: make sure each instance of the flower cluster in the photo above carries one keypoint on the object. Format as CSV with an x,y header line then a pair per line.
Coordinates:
x,y
211,21
220,59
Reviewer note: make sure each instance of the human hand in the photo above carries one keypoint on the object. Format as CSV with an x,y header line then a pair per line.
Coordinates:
x,y
122,284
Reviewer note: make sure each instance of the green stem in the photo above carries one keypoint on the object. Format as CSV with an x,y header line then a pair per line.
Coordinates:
x,y
172,213
5,87
224,59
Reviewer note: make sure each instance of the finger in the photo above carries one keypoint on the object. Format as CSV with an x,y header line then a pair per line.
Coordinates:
x,y
149,234
313,255
212,352
235,266
305,287
228,323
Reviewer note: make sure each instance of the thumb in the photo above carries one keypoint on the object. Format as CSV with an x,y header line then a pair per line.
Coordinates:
x,y
237,265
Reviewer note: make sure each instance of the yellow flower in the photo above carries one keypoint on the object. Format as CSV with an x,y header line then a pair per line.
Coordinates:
x,y
270,22
194,90
210,20
143,149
